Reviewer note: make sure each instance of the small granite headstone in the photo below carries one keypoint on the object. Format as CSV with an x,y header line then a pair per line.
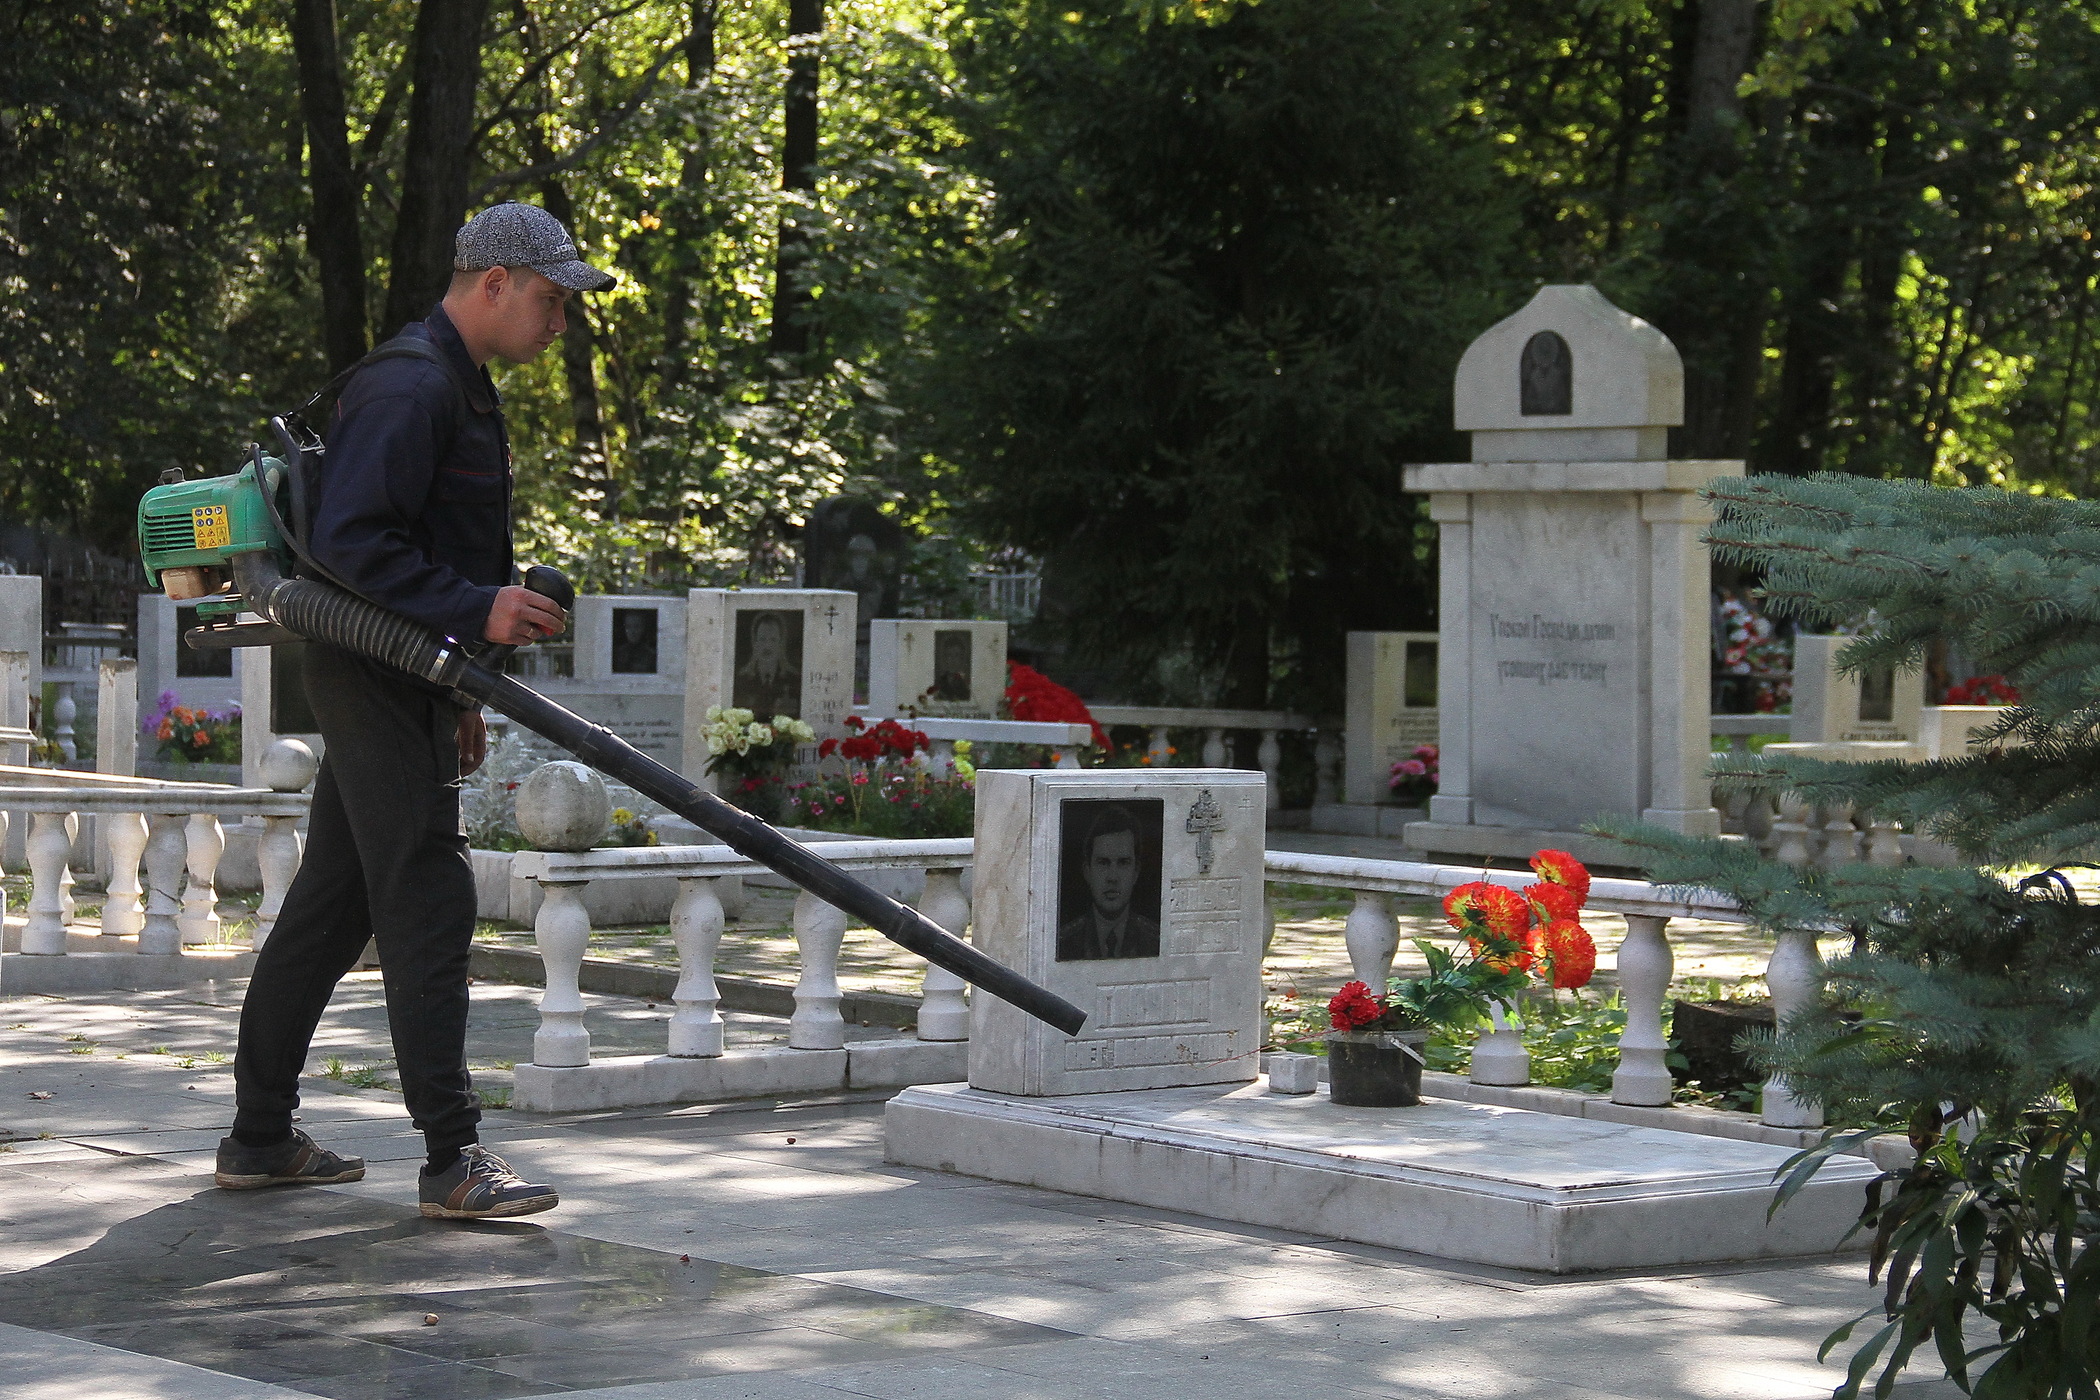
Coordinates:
x,y
772,651
1138,896
1391,708
1880,706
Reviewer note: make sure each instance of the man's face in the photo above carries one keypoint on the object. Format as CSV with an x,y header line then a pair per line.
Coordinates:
x,y
767,645
527,312
1111,872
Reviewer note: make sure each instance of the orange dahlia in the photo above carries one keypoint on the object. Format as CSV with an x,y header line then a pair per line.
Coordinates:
x,y
1570,952
1502,912
1552,903
1560,868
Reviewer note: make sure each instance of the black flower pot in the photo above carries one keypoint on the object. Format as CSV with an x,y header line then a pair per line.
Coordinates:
x,y
1382,1069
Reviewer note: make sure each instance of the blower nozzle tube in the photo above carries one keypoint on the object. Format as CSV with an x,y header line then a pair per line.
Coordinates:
x,y
325,613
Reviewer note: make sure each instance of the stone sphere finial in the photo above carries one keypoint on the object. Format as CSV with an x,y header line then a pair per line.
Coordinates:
x,y
288,766
563,807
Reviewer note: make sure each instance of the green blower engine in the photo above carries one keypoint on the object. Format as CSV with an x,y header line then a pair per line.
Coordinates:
x,y
226,544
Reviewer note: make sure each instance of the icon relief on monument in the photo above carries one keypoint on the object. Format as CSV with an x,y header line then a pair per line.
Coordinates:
x,y
768,679
1205,819
1546,376
1109,879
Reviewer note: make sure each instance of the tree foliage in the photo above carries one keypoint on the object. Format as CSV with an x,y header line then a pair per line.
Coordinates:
x,y
1967,1014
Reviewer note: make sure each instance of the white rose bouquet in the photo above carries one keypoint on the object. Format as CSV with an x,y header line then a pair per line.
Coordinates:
x,y
753,753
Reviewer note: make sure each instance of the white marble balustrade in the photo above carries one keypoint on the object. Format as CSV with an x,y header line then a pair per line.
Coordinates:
x,y
1160,720
562,931
172,830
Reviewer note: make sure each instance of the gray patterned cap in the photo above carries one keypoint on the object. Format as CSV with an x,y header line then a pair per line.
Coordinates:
x,y
524,235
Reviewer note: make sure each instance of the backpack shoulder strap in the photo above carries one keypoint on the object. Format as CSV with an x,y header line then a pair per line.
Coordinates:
x,y
401,347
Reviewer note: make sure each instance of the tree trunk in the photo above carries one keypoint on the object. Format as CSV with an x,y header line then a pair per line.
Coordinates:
x,y
332,235
579,366
447,70
1719,292
688,258
791,331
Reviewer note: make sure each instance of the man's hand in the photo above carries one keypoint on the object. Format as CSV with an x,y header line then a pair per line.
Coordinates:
x,y
473,742
521,617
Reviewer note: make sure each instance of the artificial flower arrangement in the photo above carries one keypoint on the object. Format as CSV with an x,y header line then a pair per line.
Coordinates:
x,y
1510,936
1752,646
883,792
188,735
754,756
1414,778
1983,690
1033,696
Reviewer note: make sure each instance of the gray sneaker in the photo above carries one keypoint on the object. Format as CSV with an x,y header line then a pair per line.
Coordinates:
x,y
481,1186
294,1162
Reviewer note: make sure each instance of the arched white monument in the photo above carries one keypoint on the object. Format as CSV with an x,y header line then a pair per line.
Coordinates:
x,y
1574,650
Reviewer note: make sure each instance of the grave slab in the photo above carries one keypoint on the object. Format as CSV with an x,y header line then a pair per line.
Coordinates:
x,y
943,669
1464,1181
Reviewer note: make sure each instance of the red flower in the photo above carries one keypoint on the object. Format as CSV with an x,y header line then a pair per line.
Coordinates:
x,y
1560,868
830,746
1571,953
1552,903
1353,1006
1480,905
1031,695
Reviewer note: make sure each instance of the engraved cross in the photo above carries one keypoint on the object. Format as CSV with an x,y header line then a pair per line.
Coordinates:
x,y
1205,818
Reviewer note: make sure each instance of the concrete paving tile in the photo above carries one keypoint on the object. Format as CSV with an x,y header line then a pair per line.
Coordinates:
x,y
46,1366
774,1386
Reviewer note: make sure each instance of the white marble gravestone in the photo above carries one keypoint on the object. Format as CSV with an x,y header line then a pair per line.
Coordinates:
x,y
1833,707
208,680
1136,895
629,671
948,670
273,705
1572,677
22,632
771,651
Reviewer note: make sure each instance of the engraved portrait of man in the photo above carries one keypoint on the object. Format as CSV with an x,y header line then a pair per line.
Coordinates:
x,y
1109,885
768,679
951,665
634,641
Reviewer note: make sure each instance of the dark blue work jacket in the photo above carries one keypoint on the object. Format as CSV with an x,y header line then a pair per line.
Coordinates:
x,y
414,508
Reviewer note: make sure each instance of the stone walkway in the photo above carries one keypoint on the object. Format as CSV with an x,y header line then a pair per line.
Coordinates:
x,y
749,1250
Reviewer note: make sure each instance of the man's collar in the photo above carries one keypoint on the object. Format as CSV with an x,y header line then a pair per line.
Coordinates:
x,y
481,388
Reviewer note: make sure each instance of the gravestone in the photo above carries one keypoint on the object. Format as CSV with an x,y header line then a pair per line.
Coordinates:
x,y
1390,712
950,670
1830,707
22,630
1574,649
629,671
786,651
274,706
849,544
1137,896
206,680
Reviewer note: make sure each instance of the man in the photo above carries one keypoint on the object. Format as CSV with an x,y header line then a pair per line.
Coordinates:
x,y
414,513
1111,869
768,683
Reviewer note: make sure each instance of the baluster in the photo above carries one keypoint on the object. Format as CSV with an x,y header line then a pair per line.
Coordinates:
x,y
1327,762
1499,1056
562,931
166,850
943,1013
64,711
1157,747
1067,755
67,905
819,930
1645,964
1733,806
1372,936
200,896
1795,977
123,912
47,849
696,927
1270,756
1790,832
1884,841
1213,748
278,855
1757,820
1840,837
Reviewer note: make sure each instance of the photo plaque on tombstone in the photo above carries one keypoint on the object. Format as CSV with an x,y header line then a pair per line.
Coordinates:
x,y
939,669
1137,895
769,663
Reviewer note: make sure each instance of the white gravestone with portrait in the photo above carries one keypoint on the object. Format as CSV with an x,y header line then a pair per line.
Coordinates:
x,y
1573,666
772,651
947,670
1878,706
201,680
1390,712
628,671
1137,896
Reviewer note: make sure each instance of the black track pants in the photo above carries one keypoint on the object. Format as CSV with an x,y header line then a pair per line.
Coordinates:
x,y
385,859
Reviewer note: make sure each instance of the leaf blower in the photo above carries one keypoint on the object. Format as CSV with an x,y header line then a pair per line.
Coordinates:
x,y
227,545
